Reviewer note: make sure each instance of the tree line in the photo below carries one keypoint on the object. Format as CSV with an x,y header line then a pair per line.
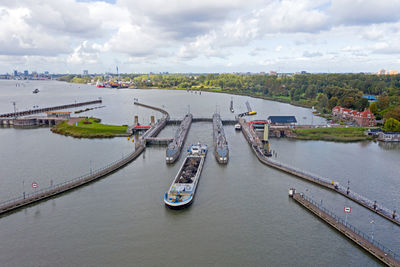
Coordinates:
x,y
323,91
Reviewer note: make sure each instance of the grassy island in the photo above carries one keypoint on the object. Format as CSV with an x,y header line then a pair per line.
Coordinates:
x,y
89,128
350,134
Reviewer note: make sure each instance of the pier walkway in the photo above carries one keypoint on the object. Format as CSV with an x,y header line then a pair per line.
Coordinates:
x,y
41,110
256,146
27,199
361,239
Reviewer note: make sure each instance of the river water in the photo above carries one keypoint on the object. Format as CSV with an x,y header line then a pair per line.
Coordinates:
x,y
241,215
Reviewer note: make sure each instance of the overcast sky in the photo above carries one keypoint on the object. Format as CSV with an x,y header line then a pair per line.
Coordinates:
x,y
68,36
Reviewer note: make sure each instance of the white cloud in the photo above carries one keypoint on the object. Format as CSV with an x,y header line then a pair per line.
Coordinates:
x,y
311,54
292,16
193,34
364,12
85,54
18,38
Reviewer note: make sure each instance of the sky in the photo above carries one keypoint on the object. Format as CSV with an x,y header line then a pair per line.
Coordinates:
x,y
202,36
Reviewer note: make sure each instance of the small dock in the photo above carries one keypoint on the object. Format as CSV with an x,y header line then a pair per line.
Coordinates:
x,y
376,249
221,150
175,147
256,145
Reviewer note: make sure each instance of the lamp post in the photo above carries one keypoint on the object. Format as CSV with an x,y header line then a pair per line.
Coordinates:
x,y
372,229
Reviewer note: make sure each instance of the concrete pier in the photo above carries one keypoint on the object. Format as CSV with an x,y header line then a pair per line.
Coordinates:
x,y
257,148
360,239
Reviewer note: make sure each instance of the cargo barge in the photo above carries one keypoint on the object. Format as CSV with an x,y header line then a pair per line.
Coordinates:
x,y
183,188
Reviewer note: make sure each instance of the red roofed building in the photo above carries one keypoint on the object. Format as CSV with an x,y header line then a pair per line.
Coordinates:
x,y
363,119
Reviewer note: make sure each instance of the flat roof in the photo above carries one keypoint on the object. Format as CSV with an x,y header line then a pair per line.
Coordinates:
x,y
282,119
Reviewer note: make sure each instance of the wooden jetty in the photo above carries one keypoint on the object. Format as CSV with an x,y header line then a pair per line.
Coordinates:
x,y
256,146
362,240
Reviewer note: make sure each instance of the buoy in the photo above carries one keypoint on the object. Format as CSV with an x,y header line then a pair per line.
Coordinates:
x,y
129,138
133,140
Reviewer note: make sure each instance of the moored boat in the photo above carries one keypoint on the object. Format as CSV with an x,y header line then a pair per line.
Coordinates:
x,y
183,188
174,148
238,127
221,149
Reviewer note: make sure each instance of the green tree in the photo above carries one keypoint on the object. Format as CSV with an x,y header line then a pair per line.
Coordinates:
x,y
373,108
393,113
360,103
383,102
322,100
347,102
332,102
392,125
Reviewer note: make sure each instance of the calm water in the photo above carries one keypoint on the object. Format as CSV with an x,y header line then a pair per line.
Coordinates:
x,y
241,216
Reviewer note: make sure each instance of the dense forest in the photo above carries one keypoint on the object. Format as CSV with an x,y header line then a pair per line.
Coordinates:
x,y
323,91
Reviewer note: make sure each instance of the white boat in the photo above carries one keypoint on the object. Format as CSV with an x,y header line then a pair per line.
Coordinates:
x,y
183,188
238,127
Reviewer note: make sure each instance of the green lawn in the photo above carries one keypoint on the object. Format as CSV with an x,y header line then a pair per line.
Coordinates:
x,y
93,130
350,134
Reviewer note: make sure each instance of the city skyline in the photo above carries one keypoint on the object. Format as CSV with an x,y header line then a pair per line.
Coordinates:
x,y
224,36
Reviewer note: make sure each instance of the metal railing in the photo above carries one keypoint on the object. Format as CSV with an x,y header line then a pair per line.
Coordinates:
x,y
91,174
367,237
380,209
94,174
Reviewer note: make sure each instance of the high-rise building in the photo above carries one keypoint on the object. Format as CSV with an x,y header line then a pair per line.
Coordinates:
x,y
15,73
85,72
26,73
